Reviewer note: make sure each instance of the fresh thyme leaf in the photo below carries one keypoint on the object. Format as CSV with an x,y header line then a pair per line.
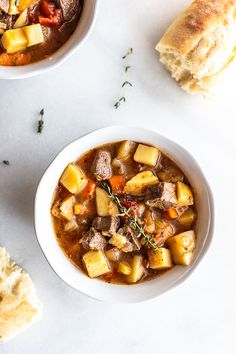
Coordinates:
x,y
127,83
147,240
130,51
6,162
120,100
127,67
41,121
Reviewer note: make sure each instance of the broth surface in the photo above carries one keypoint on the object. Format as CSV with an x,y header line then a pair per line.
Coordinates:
x,y
165,226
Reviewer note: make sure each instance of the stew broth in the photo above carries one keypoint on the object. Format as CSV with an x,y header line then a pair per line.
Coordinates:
x,y
163,207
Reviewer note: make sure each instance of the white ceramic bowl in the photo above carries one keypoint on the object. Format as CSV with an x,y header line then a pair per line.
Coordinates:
x,y
80,34
94,287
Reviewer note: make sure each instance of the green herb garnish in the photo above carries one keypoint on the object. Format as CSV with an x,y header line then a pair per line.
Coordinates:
x,y
120,100
126,83
130,51
6,162
41,121
139,227
127,67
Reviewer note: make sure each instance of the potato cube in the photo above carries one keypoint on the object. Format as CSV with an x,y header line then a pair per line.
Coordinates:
x,y
137,269
124,268
113,254
95,263
66,208
70,226
147,155
185,259
34,34
161,259
181,247
118,240
126,150
14,40
188,217
22,19
73,179
105,206
138,184
184,194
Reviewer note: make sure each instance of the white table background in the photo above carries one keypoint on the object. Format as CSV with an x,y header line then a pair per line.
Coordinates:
x,y
198,316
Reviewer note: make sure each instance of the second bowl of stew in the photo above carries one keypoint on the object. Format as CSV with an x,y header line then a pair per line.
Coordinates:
x,y
36,35
126,218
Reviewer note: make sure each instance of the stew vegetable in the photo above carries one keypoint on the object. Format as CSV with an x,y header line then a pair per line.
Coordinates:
x,y
125,212
30,30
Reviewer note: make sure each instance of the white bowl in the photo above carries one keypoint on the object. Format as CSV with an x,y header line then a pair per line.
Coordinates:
x,y
96,288
80,34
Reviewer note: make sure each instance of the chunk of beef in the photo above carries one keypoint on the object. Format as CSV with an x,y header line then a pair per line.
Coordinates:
x,y
161,195
6,19
101,167
170,174
106,223
132,243
93,240
70,8
4,5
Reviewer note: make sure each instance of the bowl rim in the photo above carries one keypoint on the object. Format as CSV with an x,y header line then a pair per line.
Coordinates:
x,y
207,238
56,59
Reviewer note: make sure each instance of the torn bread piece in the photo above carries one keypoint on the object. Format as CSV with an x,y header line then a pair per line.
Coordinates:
x,y
200,44
19,305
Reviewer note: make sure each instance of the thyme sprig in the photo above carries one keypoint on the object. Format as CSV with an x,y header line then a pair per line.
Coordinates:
x,y
129,51
120,100
41,121
6,162
139,227
126,83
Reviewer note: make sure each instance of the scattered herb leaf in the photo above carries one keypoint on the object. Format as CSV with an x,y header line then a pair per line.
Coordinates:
x,y
41,121
127,83
127,67
120,100
6,162
139,227
130,51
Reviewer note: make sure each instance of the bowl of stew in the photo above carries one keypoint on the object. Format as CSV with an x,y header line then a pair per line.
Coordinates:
x,y
37,35
124,214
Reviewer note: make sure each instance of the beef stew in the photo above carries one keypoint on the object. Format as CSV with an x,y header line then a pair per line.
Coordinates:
x,y
125,212
31,30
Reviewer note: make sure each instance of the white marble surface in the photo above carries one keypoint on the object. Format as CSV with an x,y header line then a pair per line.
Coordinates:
x,y
197,317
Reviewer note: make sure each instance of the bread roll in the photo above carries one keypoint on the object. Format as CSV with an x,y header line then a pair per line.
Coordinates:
x,y
19,305
200,44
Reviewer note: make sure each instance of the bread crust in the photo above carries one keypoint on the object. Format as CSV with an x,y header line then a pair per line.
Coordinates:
x,y
190,26
19,305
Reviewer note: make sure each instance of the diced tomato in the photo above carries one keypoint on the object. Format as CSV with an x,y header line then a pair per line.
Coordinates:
x,y
47,8
129,203
55,20
32,18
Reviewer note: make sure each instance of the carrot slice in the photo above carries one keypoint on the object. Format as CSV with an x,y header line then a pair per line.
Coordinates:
x,y
117,183
172,213
89,189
